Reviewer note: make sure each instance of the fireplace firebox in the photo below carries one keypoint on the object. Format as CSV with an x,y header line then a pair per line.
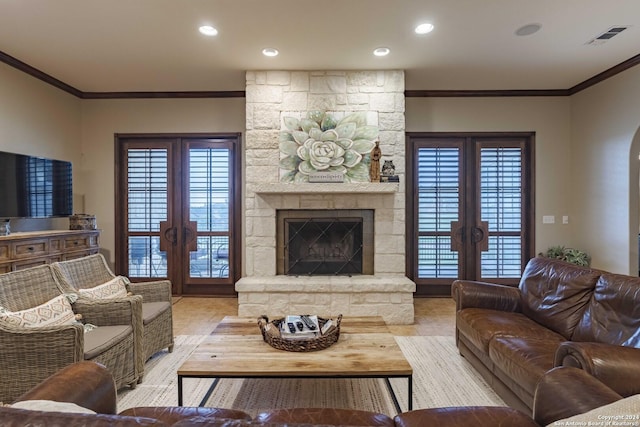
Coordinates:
x,y
324,242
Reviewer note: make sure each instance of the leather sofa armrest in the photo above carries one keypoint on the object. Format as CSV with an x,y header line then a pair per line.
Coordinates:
x,y
87,384
471,294
564,392
616,366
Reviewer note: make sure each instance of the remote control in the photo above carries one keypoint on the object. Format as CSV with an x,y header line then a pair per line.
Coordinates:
x,y
308,322
300,326
292,328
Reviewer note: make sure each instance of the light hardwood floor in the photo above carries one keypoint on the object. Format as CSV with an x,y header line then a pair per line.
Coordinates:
x,y
199,316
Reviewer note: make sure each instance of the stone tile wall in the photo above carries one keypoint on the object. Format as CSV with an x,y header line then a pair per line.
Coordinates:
x,y
272,95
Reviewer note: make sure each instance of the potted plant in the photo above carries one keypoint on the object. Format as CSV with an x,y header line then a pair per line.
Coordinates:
x,y
571,255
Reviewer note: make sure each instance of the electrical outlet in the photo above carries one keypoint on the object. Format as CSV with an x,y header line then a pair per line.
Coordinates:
x,y
565,219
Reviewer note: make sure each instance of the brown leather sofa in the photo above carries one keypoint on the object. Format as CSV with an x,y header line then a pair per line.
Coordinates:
x,y
561,393
559,315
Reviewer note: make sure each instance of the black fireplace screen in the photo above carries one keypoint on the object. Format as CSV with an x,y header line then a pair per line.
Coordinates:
x,y
325,242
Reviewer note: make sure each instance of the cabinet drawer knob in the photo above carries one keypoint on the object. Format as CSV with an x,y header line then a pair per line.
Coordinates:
x,y
30,248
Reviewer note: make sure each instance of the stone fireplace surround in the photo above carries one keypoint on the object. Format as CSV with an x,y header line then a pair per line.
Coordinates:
x,y
324,242
270,96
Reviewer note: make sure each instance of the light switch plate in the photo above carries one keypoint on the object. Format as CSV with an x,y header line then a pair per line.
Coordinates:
x,y
548,219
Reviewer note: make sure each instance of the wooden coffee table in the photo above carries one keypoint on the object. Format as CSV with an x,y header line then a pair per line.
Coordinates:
x,y
235,349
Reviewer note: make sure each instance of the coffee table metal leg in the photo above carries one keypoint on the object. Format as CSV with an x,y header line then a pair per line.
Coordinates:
x,y
207,395
179,390
410,395
393,395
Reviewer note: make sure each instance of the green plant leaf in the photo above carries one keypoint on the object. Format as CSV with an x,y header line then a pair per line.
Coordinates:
x,y
303,152
315,134
306,168
366,132
288,177
292,123
285,136
307,125
344,143
351,158
301,178
359,118
289,148
299,136
346,130
329,122
363,146
339,168
329,135
289,163
358,173
316,116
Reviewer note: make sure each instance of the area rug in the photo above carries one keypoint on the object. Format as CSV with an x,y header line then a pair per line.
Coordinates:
x,y
441,377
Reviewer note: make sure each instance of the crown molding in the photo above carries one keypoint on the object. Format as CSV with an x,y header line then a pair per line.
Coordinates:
x,y
34,72
484,93
148,95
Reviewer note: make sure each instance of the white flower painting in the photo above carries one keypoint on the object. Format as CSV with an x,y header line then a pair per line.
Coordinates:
x,y
319,143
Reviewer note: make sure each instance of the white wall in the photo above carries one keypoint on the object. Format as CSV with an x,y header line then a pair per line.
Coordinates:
x,y
604,184
548,117
102,119
40,120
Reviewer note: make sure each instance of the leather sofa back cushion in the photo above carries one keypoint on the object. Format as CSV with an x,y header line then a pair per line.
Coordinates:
x,y
613,314
555,293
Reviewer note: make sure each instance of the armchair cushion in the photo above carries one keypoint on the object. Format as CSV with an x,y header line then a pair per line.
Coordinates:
x,y
103,338
114,288
151,310
57,311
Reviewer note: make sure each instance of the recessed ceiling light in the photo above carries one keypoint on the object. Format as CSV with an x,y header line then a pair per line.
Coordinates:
x,y
381,51
527,30
269,51
424,28
208,30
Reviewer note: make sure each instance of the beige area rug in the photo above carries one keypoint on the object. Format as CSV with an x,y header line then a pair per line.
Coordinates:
x,y
441,377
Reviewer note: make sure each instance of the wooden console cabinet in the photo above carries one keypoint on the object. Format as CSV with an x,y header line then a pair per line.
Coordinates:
x,y
28,249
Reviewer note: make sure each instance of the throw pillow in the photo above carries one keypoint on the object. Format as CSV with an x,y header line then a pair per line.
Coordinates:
x,y
54,312
51,406
114,288
623,412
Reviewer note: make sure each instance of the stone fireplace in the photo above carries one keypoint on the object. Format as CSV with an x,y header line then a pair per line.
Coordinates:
x,y
316,242
268,286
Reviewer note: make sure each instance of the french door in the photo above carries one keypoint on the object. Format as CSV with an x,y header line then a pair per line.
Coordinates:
x,y
470,206
177,201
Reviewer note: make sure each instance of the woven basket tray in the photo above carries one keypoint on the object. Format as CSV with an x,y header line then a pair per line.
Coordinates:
x,y
300,344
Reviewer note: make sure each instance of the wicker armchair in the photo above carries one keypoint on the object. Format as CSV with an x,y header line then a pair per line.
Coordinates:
x,y
29,355
157,317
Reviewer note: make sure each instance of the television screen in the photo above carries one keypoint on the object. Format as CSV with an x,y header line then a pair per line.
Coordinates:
x,y
34,187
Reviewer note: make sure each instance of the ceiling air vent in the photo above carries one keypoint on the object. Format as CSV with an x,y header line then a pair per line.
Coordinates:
x,y
608,34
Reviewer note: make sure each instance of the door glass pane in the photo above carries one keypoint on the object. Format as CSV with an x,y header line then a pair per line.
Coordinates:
x,y
501,205
438,181
209,188
212,257
209,195
147,206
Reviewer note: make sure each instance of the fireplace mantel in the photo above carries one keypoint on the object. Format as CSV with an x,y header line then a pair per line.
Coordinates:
x,y
325,188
